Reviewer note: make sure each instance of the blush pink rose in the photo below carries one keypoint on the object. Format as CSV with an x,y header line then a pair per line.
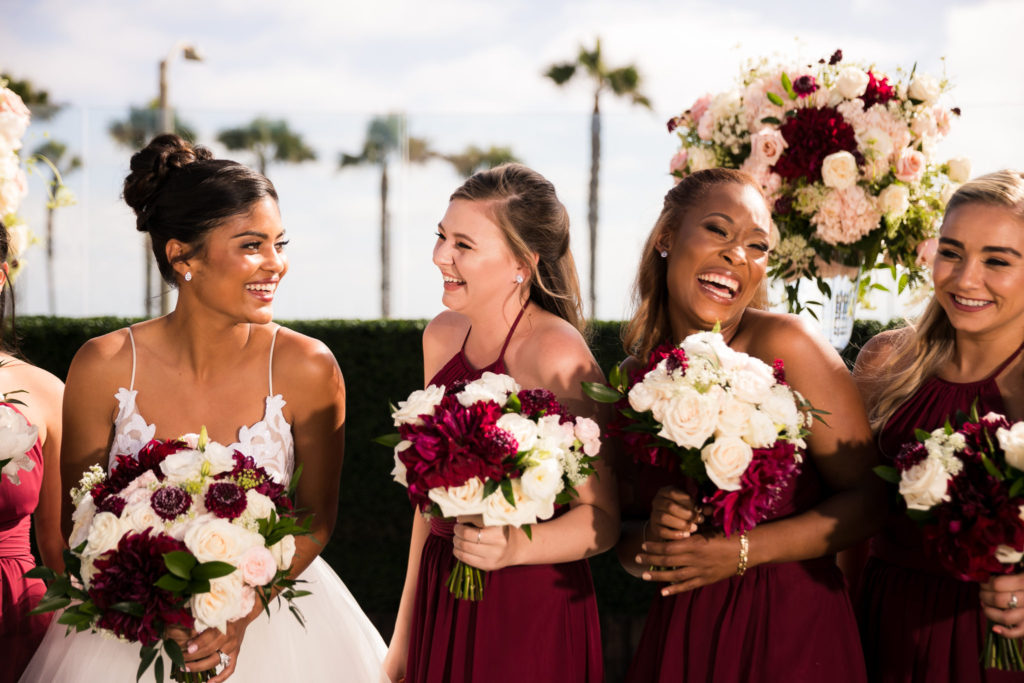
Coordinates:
x,y
678,162
910,166
926,251
767,145
700,107
257,566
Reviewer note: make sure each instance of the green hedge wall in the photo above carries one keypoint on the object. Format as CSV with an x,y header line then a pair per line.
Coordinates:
x,y
382,362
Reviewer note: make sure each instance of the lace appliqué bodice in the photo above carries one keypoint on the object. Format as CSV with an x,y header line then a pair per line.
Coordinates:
x,y
269,442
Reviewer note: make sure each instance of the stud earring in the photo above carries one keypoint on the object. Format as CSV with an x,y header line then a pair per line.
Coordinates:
x,y
664,253
188,276
519,279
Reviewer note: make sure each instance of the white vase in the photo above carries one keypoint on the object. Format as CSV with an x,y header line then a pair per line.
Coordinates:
x,y
838,310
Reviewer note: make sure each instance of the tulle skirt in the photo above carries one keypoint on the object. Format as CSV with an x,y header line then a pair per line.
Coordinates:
x,y
337,643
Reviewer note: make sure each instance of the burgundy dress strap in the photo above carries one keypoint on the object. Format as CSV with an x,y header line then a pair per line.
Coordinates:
x,y
508,337
1002,366
458,367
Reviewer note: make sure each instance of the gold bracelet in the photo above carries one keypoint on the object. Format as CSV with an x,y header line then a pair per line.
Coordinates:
x,y
741,567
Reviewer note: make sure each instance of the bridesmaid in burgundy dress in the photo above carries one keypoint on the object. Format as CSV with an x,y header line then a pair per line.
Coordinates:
x,y
37,495
917,622
513,297
768,605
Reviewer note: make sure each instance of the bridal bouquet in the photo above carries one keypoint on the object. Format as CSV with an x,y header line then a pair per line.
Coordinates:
x,y
728,420
180,534
965,486
489,448
845,153
17,437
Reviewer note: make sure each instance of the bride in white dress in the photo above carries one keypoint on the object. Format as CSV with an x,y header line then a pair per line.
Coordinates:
x,y
218,360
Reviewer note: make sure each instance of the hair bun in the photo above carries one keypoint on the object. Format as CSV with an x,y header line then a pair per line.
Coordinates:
x,y
150,168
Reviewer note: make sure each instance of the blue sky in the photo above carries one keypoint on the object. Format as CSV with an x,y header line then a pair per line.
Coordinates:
x,y
463,72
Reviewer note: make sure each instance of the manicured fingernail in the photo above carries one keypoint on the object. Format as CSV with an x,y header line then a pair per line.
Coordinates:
x,y
646,576
644,547
664,593
639,559
192,648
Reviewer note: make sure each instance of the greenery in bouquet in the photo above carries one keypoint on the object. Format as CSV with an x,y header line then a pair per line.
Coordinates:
x,y
845,154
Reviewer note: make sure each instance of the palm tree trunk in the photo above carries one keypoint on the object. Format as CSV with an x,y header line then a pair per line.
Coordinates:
x,y
385,245
595,167
147,259
51,293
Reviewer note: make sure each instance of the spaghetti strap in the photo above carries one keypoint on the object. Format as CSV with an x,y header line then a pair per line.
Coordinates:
x,y
270,368
511,331
1002,366
131,338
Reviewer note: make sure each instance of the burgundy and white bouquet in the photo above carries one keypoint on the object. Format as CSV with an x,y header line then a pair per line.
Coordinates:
x,y
490,448
727,419
965,487
17,437
845,153
184,533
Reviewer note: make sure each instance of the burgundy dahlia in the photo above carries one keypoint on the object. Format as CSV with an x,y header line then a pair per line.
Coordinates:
x,y
170,501
878,91
225,499
811,135
805,85
127,574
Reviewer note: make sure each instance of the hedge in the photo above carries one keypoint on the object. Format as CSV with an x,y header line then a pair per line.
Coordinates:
x,y
382,362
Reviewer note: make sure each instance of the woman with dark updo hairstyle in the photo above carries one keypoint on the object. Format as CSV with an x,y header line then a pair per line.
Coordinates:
x,y
509,284
217,360
33,502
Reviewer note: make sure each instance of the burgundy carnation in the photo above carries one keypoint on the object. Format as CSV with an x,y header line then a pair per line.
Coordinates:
x,y
170,501
805,85
779,371
910,455
539,402
811,135
114,504
878,91
225,499
127,574
676,360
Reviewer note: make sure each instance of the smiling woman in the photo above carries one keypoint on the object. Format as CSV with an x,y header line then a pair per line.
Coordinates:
x,y
218,361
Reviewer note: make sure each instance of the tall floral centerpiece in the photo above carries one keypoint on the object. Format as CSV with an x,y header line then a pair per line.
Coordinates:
x,y
846,156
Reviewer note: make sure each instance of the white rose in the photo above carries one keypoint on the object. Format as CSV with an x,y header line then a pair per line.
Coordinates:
x,y
420,402
459,500
947,192
642,397
140,517
924,485
82,518
257,505
490,387
689,418
726,460
257,566
219,458
105,532
284,552
543,481
959,169
182,466
761,431
553,434
753,383
220,540
220,604
703,344
17,437
1008,555
398,472
733,417
1012,442
701,158
522,429
852,82
589,434
497,511
925,88
894,200
839,170
781,407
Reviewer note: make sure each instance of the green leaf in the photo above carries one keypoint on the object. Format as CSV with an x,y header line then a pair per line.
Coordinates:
x,y
293,484
921,435
775,99
788,85
602,393
528,531
44,573
51,605
147,655
69,618
890,474
198,586
772,120
179,563
158,670
991,468
904,281
133,608
490,486
1016,488
173,651
513,404
212,570
388,440
506,490
919,516
172,583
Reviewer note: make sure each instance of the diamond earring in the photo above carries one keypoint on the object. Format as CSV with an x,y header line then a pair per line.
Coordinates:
x,y
188,276
664,253
519,279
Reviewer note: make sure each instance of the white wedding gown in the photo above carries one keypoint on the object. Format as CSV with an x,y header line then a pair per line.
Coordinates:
x,y
338,643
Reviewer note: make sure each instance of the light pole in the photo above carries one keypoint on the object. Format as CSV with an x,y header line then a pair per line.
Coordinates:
x,y
189,52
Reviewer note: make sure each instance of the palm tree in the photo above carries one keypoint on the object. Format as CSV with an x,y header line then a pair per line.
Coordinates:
x,y
134,133
384,140
623,81
269,141
473,159
59,167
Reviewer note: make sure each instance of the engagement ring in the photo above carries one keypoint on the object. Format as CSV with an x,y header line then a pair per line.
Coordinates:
x,y
225,660
1013,601
479,532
